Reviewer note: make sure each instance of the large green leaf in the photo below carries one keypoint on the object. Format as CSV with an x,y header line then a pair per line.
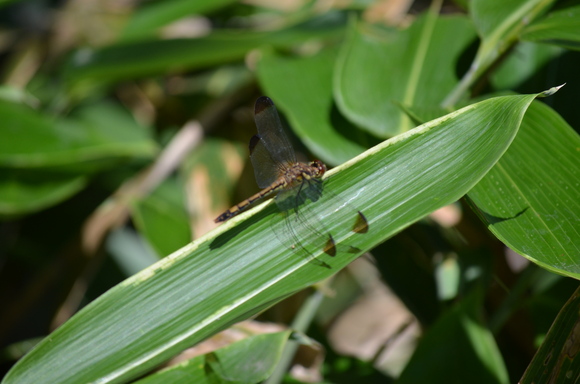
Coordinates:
x,y
517,69
162,218
531,198
251,360
307,102
499,24
148,18
560,28
154,57
45,160
25,192
244,267
416,69
95,136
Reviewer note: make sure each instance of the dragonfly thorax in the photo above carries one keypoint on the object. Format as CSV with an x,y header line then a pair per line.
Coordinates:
x,y
297,172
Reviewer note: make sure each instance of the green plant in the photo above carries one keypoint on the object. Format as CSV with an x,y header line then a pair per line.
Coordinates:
x,y
344,84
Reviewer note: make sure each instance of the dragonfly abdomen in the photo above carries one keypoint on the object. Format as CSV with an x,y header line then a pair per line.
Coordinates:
x,y
292,176
238,208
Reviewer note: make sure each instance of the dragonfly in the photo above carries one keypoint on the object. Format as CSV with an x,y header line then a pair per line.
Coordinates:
x,y
277,169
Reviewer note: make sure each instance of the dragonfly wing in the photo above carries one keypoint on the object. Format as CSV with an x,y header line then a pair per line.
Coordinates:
x,y
266,169
305,222
305,230
272,133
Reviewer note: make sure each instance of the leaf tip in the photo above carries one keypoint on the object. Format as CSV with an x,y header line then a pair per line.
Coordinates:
x,y
550,91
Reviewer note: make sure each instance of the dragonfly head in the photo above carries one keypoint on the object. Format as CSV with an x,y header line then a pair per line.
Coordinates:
x,y
320,166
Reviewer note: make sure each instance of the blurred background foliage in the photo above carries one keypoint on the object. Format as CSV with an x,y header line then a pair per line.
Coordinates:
x,y
123,131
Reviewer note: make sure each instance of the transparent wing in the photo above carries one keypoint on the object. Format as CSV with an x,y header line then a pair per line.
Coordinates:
x,y
302,230
304,226
266,169
272,133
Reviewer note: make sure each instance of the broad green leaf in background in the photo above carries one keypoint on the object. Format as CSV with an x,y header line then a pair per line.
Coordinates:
x,y
134,60
531,198
45,160
499,20
162,218
243,267
457,348
499,24
251,360
416,69
147,19
22,193
94,137
527,59
307,102
219,81
561,28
